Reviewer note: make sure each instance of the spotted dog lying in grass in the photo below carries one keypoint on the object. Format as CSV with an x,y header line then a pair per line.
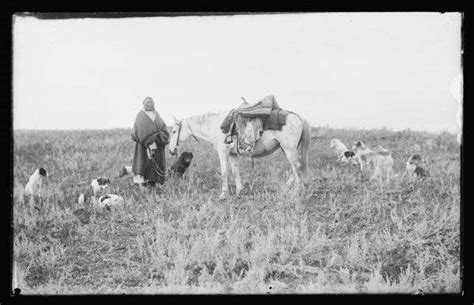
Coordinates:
x,y
125,170
108,200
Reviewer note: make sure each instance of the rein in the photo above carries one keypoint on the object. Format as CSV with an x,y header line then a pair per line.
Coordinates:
x,y
192,133
155,166
180,124
179,132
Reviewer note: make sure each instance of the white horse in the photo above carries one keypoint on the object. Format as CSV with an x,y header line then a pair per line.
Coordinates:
x,y
294,139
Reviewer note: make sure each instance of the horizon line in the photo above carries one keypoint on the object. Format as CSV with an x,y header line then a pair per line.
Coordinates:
x,y
438,131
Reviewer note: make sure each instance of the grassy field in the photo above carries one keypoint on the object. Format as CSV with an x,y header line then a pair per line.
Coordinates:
x,y
341,234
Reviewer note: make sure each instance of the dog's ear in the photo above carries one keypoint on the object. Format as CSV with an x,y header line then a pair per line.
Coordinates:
x,y
416,158
358,144
42,172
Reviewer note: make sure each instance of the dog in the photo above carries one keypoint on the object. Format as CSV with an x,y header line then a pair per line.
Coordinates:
x,y
180,165
380,160
414,167
98,187
35,182
108,200
348,156
126,170
100,184
339,148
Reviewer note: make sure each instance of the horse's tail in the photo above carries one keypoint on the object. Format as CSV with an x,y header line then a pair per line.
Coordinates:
x,y
304,145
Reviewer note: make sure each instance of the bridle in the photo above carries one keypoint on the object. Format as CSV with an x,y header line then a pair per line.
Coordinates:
x,y
180,125
155,165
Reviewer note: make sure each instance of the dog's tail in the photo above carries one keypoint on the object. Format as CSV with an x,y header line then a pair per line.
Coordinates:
x,y
304,145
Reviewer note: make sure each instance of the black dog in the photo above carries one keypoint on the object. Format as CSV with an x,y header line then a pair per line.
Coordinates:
x,y
183,162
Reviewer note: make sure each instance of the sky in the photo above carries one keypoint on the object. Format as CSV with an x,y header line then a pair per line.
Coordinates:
x,y
340,70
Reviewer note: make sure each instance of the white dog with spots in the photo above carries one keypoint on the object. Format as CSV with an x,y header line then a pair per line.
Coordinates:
x,y
35,182
380,160
339,148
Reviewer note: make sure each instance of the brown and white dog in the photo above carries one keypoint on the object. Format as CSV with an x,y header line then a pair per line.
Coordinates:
x,y
98,187
380,160
100,184
414,167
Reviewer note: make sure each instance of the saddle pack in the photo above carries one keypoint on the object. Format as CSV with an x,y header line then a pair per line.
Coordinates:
x,y
267,109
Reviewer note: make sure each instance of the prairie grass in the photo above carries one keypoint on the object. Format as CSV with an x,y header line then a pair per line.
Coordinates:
x,y
341,234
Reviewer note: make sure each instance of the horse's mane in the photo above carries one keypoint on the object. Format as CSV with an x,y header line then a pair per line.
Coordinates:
x,y
203,116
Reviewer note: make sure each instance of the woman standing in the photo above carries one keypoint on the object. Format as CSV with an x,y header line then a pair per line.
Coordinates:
x,y
151,137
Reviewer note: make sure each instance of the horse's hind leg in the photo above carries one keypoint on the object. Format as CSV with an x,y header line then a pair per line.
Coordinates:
x,y
236,172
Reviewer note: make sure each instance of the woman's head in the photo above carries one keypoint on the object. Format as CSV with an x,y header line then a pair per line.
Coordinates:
x,y
148,104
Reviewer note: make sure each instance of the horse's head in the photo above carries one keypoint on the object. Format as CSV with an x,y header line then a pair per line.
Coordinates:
x,y
248,131
179,134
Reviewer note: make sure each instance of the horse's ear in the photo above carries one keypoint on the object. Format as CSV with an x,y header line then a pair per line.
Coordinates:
x,y
176,120
245,102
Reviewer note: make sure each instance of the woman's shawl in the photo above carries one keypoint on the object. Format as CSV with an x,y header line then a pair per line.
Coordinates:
x,y
145,131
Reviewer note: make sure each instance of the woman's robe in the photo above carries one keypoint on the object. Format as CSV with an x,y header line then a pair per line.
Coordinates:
x,y
144,133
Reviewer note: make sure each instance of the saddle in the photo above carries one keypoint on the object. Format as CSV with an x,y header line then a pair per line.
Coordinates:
x,y
267,109
261,108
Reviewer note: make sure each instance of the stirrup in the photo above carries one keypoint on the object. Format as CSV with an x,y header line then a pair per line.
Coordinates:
x,y
228,139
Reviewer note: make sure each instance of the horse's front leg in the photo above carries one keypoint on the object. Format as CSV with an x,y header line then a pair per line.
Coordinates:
x,y
236,172
223,157
295,165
